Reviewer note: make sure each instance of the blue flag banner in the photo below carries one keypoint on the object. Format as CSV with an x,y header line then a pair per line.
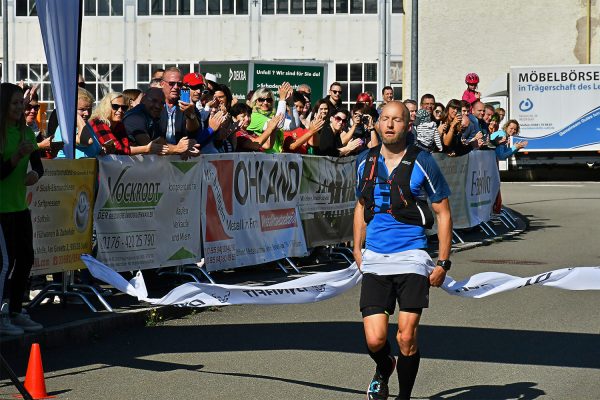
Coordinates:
x,y
59,23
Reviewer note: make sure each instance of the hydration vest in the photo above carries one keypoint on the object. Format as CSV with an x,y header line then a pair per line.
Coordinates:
x,y
404,207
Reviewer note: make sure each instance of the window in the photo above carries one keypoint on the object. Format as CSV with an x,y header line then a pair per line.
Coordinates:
x,y
37,74
91,8
192,7
397,6
100,79
144,71
270,7
356,78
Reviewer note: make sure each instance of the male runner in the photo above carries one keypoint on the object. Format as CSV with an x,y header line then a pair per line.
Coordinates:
x,y
392,216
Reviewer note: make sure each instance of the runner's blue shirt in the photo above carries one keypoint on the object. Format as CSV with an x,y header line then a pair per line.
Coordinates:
x,y
385,235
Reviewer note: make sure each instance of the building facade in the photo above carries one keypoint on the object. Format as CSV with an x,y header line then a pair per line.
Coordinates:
x,y
123,41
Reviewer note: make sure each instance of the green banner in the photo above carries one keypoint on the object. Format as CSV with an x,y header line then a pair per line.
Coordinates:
x,y
272,75
235,76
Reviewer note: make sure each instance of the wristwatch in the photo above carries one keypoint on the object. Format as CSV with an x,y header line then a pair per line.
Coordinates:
x,y
446,264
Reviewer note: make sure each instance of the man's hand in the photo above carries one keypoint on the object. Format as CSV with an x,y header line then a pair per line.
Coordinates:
x,y
437,276
188,109
158,146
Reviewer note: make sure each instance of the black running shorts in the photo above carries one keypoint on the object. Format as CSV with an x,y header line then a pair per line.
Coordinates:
x,y
379,293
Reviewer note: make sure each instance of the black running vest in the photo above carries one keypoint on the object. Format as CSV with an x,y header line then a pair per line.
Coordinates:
x,y
404,207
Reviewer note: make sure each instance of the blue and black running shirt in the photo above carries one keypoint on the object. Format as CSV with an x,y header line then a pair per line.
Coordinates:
x,y
385,235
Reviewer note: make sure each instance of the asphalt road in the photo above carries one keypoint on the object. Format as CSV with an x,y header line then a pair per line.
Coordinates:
x,y
526,344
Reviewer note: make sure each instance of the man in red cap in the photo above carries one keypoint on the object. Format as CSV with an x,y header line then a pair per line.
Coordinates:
x,y
195,83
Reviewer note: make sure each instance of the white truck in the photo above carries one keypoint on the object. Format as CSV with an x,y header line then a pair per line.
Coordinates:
x,y
558,109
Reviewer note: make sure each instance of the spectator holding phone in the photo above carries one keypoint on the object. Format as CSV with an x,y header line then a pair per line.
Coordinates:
x,y
18,150
32,110
179,119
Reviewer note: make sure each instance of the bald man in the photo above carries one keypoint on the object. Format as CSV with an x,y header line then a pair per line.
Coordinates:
x,y
390,218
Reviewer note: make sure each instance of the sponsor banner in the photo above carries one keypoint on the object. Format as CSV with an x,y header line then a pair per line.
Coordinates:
x,y
482,185
558,107
61,206
250,209
327,199
325,285
455,171
147,213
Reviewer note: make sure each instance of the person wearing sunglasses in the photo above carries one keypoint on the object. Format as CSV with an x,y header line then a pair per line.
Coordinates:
x,y
179,120
32,109
263,111
107,123
335,96
336,140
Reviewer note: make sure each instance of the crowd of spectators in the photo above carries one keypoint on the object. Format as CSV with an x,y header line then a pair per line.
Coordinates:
x,y
193,114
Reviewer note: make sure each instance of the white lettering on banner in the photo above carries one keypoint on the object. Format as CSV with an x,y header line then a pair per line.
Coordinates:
x,y
325,285
283,182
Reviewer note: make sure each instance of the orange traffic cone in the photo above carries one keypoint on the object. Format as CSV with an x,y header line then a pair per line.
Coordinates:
x,y
34,380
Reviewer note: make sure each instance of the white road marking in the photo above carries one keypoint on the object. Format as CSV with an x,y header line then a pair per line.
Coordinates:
x,y
558,185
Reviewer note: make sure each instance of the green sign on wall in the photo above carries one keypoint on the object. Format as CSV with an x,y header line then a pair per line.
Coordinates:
x,y
243,76
235,76
272,75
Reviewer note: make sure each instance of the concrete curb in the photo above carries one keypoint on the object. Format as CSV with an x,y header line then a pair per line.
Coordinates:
x,y
92,328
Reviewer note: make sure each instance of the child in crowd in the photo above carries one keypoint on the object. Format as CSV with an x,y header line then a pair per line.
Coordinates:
x,y
471,94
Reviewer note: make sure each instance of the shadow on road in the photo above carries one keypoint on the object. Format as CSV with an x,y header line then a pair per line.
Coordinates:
x,y
517,390
506,346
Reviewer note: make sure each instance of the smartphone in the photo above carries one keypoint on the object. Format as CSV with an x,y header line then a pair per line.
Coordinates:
x,y
185,95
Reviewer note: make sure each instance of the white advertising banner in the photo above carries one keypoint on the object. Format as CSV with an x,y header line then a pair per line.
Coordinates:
x,y
455,172
482,185
324,285
147,213
250,209
558,107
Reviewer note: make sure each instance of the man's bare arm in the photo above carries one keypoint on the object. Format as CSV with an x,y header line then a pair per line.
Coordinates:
x,y
359,230
444,224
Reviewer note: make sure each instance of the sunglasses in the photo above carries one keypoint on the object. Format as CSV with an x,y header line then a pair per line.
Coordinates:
x,y
172,84
30,107
196,87
263,99
340,119
336,91
123,107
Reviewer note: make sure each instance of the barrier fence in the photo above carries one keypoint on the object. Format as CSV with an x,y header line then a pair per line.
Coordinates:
x,y
233,210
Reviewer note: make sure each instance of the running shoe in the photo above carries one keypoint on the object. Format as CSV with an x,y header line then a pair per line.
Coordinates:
x,y
378,388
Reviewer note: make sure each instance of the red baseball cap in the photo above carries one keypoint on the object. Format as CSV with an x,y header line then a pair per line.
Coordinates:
x,y
193,79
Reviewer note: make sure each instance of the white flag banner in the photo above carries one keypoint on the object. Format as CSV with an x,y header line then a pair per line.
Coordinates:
x,y
59,24
325,285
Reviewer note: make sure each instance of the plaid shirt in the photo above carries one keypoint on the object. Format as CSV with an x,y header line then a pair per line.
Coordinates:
x,y
104,133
